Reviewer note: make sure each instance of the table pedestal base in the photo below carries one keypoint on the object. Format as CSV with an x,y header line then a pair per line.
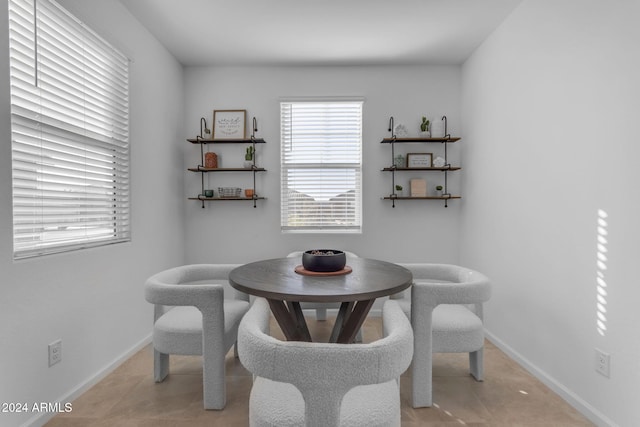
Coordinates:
x,y
350,318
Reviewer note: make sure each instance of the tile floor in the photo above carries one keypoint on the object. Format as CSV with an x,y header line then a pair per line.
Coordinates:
x,y
508,397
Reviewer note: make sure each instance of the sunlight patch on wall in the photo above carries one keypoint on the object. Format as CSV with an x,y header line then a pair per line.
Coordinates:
x,y
601,263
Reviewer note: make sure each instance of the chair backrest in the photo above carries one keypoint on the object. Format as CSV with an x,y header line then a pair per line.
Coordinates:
x,y
193,284
448,284
324,372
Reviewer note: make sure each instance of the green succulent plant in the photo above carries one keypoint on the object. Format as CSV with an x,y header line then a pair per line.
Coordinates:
x,y
249,155
424,126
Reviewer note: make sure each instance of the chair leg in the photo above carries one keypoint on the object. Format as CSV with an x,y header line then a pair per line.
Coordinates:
x,y
321,314
235,350
422,363
421,371
422,387
213,376
359,336
160,366
476,365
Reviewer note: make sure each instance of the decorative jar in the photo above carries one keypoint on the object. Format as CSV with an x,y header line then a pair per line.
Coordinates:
x,y
210,160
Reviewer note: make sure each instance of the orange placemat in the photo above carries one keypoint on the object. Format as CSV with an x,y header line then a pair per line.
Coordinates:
x,y
301,270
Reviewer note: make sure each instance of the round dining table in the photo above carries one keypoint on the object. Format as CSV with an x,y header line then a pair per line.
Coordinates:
x,y
285,285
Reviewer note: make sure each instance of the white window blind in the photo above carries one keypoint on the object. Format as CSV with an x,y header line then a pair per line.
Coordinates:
x,y
321,158
69,131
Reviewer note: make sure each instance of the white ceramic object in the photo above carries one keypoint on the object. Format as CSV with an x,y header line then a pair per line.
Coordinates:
x,y
438,162
437,129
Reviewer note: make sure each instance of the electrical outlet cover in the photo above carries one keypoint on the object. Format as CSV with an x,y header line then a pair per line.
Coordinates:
x,y
55,352
603,362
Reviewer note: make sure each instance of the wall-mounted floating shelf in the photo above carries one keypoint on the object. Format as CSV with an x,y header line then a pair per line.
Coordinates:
x,y
202,169
393,169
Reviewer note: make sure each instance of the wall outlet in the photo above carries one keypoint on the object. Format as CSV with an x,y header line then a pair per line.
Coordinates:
x,y
55,352
603,361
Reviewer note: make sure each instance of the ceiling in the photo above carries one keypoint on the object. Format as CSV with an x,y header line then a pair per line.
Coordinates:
x,y
320,32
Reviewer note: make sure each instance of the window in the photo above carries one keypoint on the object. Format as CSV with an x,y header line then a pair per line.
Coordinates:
x,y
321,166
69,133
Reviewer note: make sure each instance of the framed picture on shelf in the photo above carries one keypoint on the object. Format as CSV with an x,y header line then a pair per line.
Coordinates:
x,y
419,160
229,124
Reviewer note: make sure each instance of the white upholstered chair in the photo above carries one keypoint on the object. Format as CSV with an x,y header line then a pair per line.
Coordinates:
x,y
189,300
321,307
445,309
320,384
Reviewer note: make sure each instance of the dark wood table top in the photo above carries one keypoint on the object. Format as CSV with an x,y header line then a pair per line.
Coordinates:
x,y
276,279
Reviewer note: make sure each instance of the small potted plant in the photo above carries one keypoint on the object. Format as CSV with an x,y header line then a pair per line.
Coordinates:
x,y
439,190
424,128
398,192
248,157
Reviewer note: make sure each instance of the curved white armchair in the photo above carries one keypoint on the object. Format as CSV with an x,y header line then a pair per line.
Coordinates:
x,y
446,314
189,300
321,307
303,383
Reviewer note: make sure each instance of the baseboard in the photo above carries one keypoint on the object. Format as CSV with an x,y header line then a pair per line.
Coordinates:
x,y
44,417
569,396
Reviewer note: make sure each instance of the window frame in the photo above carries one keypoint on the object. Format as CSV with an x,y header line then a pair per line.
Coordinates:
x,y
322,212
69,133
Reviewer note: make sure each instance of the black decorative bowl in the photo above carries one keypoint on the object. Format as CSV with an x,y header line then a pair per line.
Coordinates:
x,y
324,260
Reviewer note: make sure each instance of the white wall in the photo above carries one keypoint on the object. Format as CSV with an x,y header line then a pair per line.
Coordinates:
x,y
93,299
236,232
550,109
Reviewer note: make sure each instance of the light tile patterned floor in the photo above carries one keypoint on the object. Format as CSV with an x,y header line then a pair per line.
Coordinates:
x,y
509,396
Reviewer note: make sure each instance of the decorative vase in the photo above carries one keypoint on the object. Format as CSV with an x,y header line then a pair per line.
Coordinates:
x,y
248,164
437,129
425,134
210,160
398,161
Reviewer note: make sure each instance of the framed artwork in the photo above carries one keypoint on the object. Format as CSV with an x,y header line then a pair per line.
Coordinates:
x,y
419,160
229,124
